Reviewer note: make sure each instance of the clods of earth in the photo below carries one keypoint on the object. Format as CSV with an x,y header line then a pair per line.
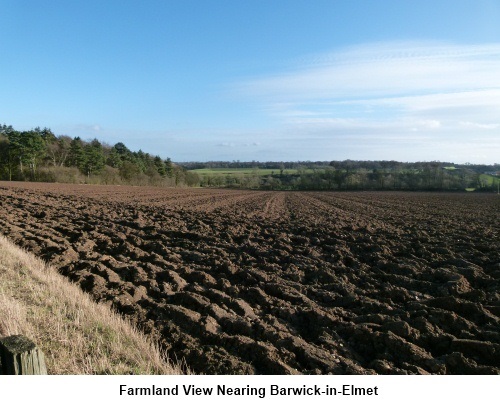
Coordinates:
x,y
244,282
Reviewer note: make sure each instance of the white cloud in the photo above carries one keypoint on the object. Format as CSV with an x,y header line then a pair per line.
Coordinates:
x,y
382,70
227,144
477,125
447,94
88,128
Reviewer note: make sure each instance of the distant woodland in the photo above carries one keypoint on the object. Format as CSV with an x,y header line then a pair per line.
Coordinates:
x,y
40,155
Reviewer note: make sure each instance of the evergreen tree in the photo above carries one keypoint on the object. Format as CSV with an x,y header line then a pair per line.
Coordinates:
x,y
129,171
7,160
94,158
46,134
160,166
76,156
122,150
34,150
169,168
141,160
114,159
28,148
8,157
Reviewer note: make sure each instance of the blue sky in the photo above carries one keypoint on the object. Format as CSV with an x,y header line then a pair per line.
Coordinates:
x,y
259,80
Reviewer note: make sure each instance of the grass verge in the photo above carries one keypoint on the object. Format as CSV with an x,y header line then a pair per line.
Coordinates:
x,y
77,335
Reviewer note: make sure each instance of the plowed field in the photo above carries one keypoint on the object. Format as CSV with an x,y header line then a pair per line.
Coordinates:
x,y
281,282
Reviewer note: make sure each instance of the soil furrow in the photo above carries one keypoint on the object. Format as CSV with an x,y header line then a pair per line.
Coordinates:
x,y
281,282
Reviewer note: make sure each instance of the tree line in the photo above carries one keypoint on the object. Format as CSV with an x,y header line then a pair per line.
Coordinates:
x,y
423,176
40,155
356,175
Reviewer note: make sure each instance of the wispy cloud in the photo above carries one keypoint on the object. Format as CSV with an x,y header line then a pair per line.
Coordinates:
x,y
237,144
382,70
91,128
226,144
449,94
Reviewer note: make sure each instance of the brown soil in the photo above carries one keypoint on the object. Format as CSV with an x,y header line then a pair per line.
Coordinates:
x,y
281,282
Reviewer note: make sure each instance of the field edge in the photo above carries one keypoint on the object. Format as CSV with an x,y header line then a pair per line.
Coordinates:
x,y
77,335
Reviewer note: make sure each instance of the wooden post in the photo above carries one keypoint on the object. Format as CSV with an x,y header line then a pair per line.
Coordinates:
x,y
19,355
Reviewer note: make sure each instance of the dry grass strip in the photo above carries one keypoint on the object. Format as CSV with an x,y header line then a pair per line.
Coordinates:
x,y
76,335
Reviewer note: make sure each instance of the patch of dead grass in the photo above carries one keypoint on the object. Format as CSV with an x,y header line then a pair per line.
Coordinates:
x,y
77,335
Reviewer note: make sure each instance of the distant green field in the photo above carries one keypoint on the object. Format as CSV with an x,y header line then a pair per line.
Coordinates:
x,y
243,171
488,179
